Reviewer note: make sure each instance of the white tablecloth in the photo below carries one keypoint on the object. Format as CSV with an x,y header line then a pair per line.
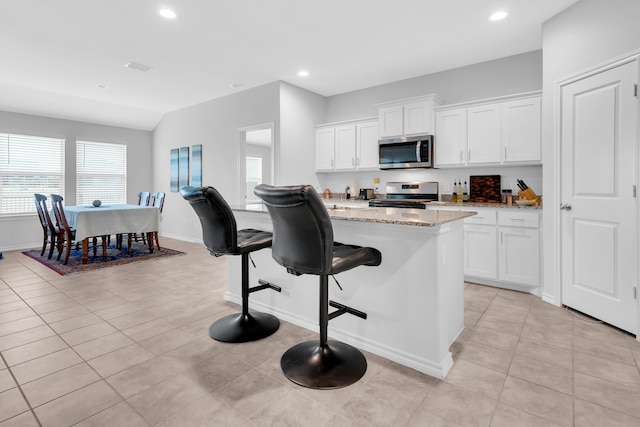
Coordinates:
x,y
112,219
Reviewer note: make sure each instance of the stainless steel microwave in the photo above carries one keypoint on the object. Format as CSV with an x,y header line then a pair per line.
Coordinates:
x,y
406,152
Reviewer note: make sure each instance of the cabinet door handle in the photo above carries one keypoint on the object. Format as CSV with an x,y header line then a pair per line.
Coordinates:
x,y
505,154
353,161
332,163
461,154
469,155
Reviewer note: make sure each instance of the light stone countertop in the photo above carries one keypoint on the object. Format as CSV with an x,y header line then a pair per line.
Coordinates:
x,y
364,213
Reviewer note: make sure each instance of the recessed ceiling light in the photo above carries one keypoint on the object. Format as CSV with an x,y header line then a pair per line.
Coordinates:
x,y
236,85
498,16
104,87
303,73
167,13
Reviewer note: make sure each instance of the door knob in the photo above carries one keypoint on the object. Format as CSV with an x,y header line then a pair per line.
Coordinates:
x,y
565,207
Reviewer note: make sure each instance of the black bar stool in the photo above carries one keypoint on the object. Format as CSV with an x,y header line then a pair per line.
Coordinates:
x,y
221,237
303,244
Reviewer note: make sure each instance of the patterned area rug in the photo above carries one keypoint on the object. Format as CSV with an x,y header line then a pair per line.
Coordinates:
x,y
139,252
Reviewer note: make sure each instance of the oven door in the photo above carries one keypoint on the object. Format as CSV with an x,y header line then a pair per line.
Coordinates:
x,y
405,153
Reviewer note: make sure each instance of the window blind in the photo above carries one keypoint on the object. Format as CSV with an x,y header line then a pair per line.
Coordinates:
x,y
101,172
28,165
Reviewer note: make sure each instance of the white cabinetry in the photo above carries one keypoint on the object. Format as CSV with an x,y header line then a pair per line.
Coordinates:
x,y
412,116
519,243
502,247
499,131
451,137
480,245
484,141
347,146
325,151
521,130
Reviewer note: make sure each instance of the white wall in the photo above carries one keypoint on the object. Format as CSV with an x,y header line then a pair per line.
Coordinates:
x,y
300,111
214,124
20,232
505,76
585,35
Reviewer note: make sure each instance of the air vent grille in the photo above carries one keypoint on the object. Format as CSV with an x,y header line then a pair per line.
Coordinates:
x,y
139,67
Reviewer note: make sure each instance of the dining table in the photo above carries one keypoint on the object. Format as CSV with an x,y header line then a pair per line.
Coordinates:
x,y
104,220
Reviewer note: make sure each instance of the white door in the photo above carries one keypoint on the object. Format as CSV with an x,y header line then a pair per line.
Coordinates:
x,y
599,125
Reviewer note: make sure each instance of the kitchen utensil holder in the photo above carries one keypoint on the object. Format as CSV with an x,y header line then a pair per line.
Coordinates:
x,y
529,194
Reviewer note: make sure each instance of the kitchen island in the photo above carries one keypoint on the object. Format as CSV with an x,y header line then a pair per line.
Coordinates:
x,y
414,300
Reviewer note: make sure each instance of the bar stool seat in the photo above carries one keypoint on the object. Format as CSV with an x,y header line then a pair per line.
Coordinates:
x,y
221,237
303,244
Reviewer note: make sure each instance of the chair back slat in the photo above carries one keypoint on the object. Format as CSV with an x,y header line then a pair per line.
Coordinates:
x,y
157,200
143,198
58,211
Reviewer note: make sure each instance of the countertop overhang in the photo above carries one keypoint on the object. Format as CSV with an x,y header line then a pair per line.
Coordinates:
x,y
399,216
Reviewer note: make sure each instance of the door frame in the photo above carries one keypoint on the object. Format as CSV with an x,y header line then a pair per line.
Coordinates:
x,y
241,166
554,204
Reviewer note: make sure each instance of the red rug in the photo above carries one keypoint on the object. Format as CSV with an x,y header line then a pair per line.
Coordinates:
x,y
139,252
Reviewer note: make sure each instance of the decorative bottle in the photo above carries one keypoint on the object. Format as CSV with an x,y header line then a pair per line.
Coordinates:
x,y
465,192
454,193
459,196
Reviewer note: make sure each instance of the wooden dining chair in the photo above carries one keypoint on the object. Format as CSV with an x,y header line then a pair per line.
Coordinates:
x,y
67,234
50,232
144,198
157,201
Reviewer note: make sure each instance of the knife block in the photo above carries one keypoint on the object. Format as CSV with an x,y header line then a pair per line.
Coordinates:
x,y
529,194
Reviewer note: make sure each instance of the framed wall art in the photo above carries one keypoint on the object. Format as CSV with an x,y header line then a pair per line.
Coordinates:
x,y
173,170
183,167
196,165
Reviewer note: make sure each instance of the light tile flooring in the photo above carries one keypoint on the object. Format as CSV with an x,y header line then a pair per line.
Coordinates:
x,y
128,346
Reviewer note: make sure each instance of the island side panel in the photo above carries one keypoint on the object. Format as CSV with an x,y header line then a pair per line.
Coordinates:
x,y
414,299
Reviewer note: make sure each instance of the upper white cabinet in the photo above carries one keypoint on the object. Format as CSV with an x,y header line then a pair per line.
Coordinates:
x,y
412,116
451,137
483,128
521,130
499,131
367,145
347,146
325,151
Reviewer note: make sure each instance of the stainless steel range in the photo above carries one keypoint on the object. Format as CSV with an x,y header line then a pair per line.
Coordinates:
x,y
414,195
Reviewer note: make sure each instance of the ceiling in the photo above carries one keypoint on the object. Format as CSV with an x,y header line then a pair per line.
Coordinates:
x,y
55,54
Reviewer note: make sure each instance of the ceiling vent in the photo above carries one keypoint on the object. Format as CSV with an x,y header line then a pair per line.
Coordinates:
x,y
138,67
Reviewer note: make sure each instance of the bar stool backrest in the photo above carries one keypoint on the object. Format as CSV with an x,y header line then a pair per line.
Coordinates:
x,y
302,230
219,228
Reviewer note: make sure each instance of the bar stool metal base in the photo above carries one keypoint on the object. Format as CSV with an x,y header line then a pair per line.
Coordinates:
x,y
333,366
238,328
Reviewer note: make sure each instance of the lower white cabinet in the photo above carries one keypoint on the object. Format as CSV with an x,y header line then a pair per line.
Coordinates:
x,y
480,251
502,247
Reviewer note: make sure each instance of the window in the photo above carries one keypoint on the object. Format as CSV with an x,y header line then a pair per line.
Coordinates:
x,y
254,178
28,165
101,172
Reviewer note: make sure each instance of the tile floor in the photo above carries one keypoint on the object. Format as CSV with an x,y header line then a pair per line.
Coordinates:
x,y
128,346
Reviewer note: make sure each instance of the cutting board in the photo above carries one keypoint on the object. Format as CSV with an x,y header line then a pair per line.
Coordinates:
x,y
485,189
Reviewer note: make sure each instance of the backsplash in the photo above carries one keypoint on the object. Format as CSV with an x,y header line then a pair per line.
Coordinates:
x,y
337,181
